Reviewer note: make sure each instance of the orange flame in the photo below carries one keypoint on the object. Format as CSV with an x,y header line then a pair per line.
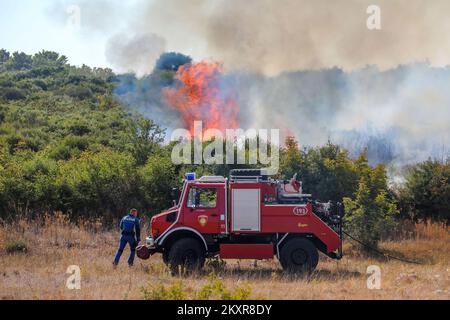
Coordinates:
x,y
201,96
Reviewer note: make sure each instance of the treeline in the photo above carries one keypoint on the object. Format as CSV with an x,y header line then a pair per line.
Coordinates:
x,y
67,144
425,193
329,173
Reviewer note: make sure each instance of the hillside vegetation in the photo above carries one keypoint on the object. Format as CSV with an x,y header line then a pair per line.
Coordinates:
x,y
65,144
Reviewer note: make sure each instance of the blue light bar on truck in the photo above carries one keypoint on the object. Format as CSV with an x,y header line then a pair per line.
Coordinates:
x,y
190,176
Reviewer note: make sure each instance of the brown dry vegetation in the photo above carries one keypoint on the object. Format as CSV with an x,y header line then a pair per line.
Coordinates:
x,y
55,243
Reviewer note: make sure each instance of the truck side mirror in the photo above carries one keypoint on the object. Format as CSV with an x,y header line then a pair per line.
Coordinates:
x,y
175,194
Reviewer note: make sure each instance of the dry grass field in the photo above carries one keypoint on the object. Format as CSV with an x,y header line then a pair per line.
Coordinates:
x,y
53,244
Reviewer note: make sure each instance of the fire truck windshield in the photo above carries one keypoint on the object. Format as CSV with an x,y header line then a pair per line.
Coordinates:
x,y
202,198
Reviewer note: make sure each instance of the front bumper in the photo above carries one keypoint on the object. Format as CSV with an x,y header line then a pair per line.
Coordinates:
x,y
146,250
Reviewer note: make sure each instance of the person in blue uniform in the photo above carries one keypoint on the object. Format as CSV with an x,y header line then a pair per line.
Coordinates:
x,y
131,234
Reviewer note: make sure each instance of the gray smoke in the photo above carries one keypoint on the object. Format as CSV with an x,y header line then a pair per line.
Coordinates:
x,y
286,35
134,53
309,67
400,115
268,36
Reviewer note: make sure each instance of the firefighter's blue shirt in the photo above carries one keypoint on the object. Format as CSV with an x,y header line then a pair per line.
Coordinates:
x,y
130,226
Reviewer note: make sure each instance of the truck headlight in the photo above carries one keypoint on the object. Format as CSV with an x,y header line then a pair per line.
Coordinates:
x,y
149,242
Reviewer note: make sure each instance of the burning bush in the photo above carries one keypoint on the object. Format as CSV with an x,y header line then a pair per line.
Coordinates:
x,y
201,95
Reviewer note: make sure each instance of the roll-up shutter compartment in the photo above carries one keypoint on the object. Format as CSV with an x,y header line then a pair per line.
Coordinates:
x,y
246,210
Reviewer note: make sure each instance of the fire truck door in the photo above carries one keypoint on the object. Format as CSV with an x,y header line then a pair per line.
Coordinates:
x,y
205,209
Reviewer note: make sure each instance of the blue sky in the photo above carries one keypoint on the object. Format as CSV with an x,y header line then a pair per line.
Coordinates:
x,y
30,26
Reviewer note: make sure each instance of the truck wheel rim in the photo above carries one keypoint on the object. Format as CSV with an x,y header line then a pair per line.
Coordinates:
x,y
299,257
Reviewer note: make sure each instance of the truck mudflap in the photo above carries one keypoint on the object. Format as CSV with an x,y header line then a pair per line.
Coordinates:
x,y
335,255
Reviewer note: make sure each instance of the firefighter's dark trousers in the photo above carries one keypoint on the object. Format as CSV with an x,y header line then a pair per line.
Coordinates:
x,y
124,239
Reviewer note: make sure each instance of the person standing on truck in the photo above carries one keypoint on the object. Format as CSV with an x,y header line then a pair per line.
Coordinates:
x,y
131,234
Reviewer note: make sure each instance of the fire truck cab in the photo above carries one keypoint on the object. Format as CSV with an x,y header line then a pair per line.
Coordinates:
x,y
248,216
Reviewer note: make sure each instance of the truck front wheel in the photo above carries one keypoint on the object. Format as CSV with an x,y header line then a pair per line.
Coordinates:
x,y
299,256
185,256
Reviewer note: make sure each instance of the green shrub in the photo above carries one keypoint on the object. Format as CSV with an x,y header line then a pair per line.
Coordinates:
x,y
70,146
12,94
214,289
174,291
79,129
78,92
372,211
216,264
426,191
326,172
16,246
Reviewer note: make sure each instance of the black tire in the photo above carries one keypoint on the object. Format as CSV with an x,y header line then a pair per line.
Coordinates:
x,y
299,256
185,256
165,256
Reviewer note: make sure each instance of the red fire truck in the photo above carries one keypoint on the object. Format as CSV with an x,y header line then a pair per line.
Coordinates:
x,y
248,216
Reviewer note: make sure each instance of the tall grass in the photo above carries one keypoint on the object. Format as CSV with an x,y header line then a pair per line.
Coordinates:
x,y
58,230
430,230
53,242
424,230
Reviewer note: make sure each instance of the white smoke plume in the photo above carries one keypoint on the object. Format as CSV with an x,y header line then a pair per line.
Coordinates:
x,y
311,66
134,53
401,114
274,36
268,36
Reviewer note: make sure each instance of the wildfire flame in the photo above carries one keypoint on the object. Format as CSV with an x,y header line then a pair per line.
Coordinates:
x,y
200,95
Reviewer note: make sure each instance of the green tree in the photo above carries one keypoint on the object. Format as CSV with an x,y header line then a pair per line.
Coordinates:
x,y
326,172
372,211
158,178
4,57
20,61
145,135
171,61
104,183
426,191
290,158
48,59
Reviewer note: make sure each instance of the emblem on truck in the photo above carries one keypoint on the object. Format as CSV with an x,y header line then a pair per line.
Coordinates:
x,y
203,220
300,211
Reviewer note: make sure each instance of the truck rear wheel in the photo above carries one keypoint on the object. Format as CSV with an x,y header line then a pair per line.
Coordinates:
x,y
299,256
185,256
165,256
